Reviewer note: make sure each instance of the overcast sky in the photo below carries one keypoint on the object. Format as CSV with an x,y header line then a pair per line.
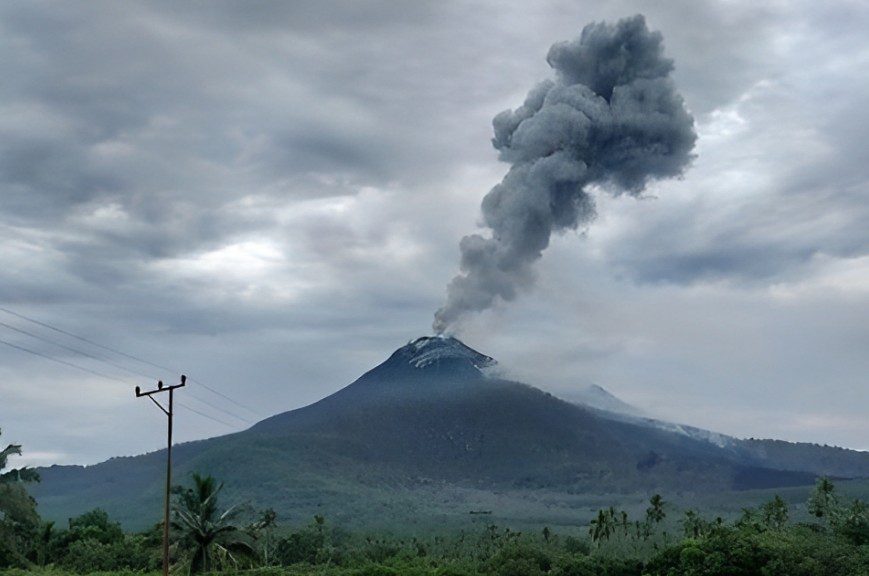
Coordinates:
x,y
269,197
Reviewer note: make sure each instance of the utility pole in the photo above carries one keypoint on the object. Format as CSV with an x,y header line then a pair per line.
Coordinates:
x,y
168,413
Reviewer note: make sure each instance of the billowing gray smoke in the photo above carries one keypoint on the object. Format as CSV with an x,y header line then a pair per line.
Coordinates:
x,y
611,117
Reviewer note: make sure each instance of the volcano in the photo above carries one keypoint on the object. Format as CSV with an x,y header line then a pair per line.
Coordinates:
x,y
433,423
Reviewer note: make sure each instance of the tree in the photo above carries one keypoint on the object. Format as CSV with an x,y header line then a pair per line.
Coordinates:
x,y
211,537
693,525
603,526
44,543
95,525
823,501
265,525
774,513
654,515
655,512
19,521
16,474
853,523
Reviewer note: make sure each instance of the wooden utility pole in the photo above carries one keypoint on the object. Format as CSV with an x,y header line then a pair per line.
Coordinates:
x,y
150,394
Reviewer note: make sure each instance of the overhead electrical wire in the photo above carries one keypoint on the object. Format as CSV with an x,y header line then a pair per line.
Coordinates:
x,y
110,363
83,339
75,350
101,375
59,361
129,356
203,414
218,408
222,395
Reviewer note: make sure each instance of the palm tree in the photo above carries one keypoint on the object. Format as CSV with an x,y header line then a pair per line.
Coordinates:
x,y
19,521
211,537
654,515
16,474
625,523
603,526
655,512
265,524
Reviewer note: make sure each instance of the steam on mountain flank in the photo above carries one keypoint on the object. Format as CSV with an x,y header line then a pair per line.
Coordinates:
x,y
611,117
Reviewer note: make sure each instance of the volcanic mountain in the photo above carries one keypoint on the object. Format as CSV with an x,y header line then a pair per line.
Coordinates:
x,y
434,419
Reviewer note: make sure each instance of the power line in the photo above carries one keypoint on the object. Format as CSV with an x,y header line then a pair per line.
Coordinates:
x,y
124,354
83,339
64,362
76,351
219,393
101,375
204,415
98,359
110,363
218,408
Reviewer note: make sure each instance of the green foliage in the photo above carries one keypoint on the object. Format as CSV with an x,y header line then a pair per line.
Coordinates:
x,y
94,542
19,522
210,538
19,525
303,546
95,525
603,526
376,570
574,545
263,530
853,523
774,514
823,501
578,566
91,555
762,542
520,560
695,526
735,551
655,512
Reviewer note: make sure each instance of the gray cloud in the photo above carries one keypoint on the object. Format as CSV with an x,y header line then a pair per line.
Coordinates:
x,y
613,117
780,179
270,198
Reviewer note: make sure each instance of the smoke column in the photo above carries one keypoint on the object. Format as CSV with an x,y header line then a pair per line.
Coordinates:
x,y
611,117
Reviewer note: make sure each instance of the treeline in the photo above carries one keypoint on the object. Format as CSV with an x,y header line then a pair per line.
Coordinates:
x,y
207,538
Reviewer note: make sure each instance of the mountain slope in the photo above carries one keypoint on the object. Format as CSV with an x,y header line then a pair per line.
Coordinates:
x,y
430,418
595,396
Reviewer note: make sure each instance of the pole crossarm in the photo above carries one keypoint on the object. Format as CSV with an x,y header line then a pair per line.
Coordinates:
x,y
170,389
161,388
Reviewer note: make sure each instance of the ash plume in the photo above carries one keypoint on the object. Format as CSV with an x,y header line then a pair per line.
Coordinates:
x,y
611,117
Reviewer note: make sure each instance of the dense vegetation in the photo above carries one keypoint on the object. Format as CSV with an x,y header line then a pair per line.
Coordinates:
x,y
208,538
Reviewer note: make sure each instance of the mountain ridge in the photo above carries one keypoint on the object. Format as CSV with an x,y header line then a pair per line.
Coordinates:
x,y
434,413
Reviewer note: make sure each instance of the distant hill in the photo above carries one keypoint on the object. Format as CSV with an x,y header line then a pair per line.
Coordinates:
x,y
777,454
595,396
825,460
419,435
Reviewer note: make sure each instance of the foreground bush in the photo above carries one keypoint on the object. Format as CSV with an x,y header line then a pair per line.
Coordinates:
x,y
797,551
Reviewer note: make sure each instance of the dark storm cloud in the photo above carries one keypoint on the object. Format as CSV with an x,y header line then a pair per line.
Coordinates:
x,y
134,135
612,117
252,190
